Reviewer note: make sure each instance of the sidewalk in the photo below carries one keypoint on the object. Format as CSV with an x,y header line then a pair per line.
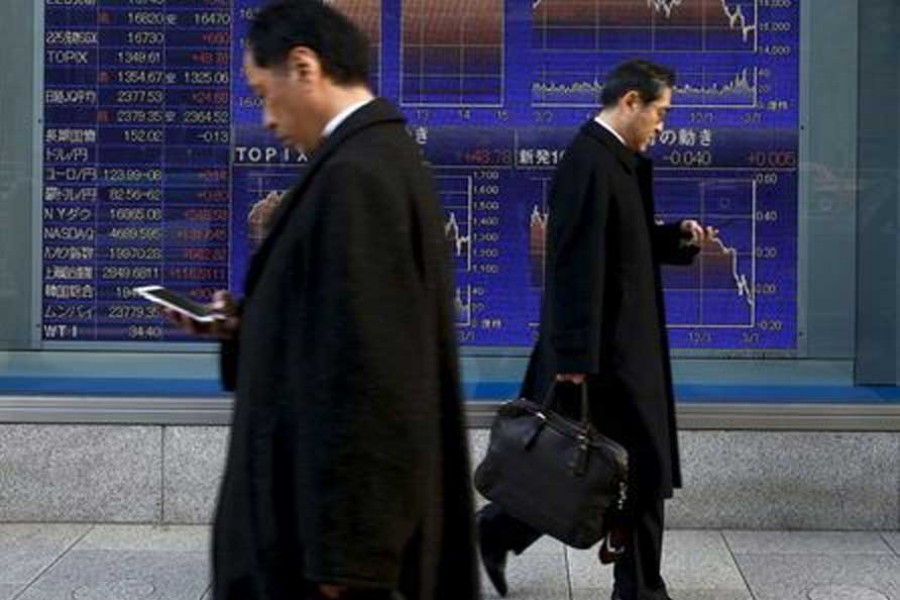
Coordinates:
x,y
128,562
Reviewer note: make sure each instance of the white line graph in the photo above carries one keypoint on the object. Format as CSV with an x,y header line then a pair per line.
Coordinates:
x,y
722,277
561,88
617,24
456,197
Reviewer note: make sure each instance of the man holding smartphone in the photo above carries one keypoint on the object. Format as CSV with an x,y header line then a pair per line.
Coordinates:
x,y
347,473
603,322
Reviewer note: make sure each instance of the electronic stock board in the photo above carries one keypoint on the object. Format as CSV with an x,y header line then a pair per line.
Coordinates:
x,y
154,160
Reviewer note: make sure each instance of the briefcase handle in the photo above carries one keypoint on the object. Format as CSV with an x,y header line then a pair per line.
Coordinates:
x,y
550,400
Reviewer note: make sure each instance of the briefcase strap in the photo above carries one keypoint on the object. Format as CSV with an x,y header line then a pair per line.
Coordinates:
x,y
550,401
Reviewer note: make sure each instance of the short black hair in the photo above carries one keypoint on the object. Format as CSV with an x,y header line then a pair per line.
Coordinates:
x,y
282,25
642,76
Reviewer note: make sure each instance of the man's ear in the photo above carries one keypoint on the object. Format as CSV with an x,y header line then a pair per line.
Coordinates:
x,y
631,100
303,63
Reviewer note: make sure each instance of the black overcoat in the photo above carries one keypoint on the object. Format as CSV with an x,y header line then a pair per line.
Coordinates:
x,y
347,460
602,312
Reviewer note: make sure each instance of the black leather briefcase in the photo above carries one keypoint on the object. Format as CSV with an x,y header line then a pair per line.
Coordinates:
x,y
556,474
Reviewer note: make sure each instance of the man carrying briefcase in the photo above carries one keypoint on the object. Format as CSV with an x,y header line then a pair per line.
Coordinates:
x,y
602,319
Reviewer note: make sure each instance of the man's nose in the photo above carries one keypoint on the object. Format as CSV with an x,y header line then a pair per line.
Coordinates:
x,y
268,120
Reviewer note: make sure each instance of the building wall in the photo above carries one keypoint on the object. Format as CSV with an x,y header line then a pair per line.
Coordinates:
x,y
733,479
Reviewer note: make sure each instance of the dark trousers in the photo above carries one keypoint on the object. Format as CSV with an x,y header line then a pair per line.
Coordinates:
x,y
636,573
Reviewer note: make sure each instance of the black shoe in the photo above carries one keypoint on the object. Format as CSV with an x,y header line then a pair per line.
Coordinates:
x,y
492,557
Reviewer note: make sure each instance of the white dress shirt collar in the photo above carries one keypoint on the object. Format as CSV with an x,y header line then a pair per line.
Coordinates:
x,y
609,128
341,117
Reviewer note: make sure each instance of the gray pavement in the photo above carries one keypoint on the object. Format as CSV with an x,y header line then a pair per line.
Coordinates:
x,y
40,561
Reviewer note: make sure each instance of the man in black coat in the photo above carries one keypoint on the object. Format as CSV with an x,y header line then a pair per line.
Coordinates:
x,y
347,473
602,319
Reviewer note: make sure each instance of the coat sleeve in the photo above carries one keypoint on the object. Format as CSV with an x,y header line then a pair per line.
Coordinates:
x,y
229,352
368,417
667,246
228,362
576,263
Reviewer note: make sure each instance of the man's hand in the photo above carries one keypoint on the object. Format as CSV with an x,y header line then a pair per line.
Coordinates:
x,y
576,378
261,215
223,329
695,234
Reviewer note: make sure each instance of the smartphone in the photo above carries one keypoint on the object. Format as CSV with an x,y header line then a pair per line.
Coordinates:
x,y
186,306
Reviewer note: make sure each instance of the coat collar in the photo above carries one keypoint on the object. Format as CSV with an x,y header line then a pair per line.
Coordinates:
x,y
636,164
376,112
629,158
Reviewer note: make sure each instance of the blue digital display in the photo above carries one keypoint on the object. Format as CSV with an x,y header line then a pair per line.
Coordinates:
x,y
157,169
